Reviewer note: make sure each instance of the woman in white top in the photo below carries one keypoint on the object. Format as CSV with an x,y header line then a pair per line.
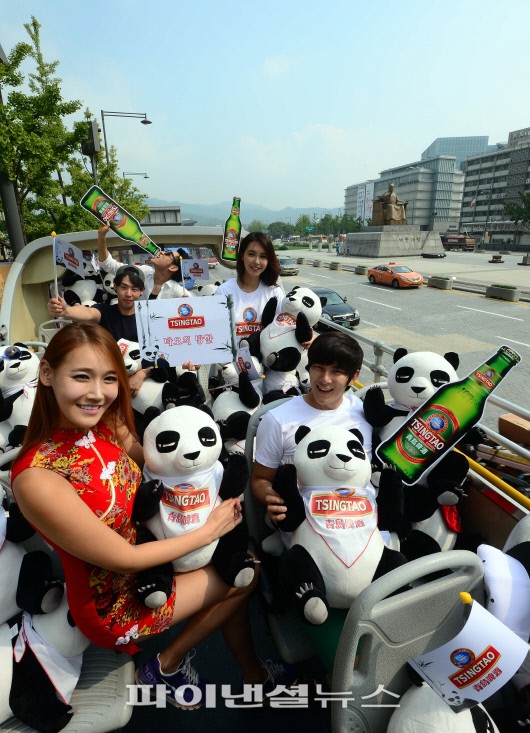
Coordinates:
x,y
257,274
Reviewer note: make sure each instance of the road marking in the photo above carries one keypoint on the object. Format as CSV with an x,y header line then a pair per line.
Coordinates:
x,y
326,277
376,325
383,304
489,313
503,338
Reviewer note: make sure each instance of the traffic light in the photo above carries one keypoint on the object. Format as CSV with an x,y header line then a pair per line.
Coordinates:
x,y
91,146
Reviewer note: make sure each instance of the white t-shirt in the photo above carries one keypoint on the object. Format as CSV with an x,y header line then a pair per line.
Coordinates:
x,y
248,307
275,444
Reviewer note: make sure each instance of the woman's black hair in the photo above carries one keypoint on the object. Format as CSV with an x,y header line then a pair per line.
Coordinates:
x,y
335,348
270,274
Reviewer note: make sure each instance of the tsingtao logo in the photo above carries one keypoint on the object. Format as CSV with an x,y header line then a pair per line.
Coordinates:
x,y
185,310
249,315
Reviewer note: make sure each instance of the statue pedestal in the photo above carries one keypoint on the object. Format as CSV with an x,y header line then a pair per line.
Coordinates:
x,y
393,241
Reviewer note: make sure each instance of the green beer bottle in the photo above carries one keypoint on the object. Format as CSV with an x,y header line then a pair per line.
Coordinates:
x,y
232,233
442,420
124,224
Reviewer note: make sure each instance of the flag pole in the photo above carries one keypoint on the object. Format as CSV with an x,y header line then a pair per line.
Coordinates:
x,y
54,234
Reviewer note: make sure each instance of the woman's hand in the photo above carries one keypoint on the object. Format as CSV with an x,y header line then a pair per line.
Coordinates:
x,y
224,518
57,307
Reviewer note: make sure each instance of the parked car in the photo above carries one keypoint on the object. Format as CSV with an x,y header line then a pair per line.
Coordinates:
x,y
336,309
396,275
287,266
212,262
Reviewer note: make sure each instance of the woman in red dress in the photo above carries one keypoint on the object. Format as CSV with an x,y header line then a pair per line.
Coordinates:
x,y
75,480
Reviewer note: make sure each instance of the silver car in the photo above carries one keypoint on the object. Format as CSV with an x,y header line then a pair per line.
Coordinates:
x,y
287,266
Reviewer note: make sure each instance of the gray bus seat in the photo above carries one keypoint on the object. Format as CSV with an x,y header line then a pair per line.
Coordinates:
x,y
381,633
287,631
48,329
520,533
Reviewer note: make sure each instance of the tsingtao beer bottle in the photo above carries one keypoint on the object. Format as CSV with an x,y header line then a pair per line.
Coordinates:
x,y
124,224
232,233
442,420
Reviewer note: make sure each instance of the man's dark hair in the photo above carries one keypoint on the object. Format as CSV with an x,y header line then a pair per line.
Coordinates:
x,y
133,273
335,348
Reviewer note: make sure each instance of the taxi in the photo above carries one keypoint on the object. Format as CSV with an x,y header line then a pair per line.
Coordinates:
x,y
396,275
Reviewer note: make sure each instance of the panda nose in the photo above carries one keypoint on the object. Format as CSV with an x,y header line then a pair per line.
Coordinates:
x,y
343,458
418,390
192,456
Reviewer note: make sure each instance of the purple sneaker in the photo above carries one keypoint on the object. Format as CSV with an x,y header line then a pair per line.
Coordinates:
x,y
184,688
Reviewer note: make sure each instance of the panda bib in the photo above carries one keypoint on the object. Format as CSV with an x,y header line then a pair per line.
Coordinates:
x,y
282,324
187,501
345,518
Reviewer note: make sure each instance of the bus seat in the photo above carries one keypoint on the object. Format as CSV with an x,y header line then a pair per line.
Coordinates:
x,y
49,328
520,533
381,633
287,631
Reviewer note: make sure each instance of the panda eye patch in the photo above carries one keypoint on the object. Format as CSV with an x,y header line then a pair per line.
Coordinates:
x,y
135,354
167,441
404,374
318,449
308,302
438,377
24,355
356,449
207,436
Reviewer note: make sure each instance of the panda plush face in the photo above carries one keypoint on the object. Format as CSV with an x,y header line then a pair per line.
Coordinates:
x,y
303,300
132,359
331,456
414,377
182,441
17,365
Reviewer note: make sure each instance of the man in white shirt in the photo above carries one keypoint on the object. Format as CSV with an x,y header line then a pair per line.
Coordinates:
x,y
334,362
158,274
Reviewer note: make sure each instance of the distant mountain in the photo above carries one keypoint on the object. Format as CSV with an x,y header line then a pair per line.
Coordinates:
x,y
213,214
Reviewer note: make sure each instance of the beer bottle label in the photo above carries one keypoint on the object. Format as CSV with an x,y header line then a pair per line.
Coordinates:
x,y
427,435
109,213
231,242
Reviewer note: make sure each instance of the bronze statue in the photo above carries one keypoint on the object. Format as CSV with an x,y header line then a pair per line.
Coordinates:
x,y
394,211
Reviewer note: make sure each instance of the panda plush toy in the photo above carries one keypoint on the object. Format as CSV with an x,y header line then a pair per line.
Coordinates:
x,y
208,289
82,290
19,370
181,450
334,546
430,505
235,398
278,345
46,664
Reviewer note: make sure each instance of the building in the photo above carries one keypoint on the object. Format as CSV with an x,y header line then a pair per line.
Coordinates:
x,y
491,180
432,187
460,147
163,215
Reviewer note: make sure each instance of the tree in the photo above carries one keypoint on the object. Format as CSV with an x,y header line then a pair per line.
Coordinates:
x,y
41,155
280,230
302,223
519,213
257,226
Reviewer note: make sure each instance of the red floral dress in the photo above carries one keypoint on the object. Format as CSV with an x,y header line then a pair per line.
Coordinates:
x,y
103,603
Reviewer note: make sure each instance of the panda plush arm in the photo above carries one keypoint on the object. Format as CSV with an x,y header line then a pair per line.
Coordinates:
x,y
303,331
269,311
376,411
235,476
247,394
286,485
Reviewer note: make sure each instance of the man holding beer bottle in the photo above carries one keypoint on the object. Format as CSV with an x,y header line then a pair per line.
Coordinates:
x,y
160,274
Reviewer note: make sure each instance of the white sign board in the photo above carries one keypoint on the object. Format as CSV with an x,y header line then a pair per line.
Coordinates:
x,y
186,329
477,662
197,269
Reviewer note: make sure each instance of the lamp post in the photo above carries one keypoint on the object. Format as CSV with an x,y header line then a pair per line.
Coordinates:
x,y
126,174
136,115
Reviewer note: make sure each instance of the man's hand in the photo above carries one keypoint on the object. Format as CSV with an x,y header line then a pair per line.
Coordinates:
x,y
276,509
57,307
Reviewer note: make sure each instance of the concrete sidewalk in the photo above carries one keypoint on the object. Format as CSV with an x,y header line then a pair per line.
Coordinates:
x,y
472,267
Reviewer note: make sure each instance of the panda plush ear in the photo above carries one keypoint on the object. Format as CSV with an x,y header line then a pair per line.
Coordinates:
x,y
453,359
300,434
358,435
399,354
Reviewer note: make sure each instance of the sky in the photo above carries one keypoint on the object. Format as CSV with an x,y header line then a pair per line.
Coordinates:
x,y
283,102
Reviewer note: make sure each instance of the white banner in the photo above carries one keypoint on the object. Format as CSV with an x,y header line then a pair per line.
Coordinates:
x,y
197,269
476,663
186,329
68,255
369,201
